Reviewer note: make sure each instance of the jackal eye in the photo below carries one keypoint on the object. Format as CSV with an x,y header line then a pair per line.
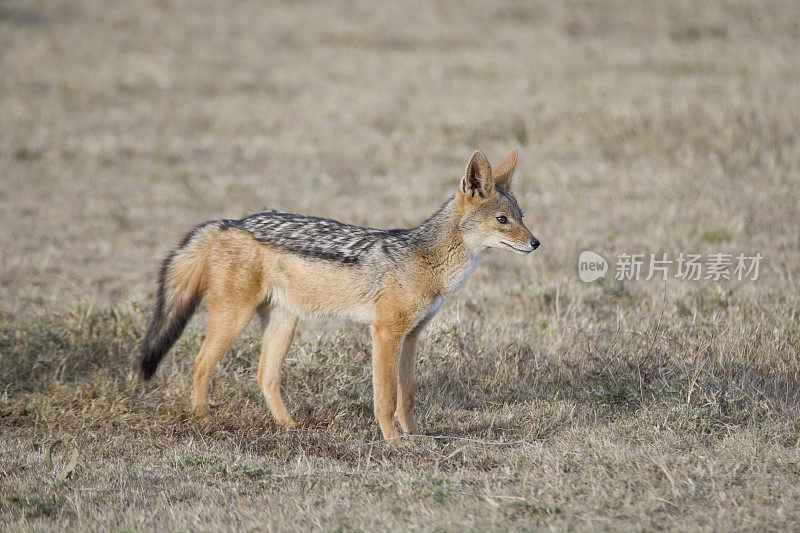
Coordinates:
x,y
502,219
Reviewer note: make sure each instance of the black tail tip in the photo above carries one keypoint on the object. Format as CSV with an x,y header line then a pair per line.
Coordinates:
x,y
148,365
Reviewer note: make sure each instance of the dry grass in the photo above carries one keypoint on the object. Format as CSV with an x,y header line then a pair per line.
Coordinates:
x,y
643,127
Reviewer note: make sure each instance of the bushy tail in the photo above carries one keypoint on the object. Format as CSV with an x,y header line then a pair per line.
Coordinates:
x,y
181,285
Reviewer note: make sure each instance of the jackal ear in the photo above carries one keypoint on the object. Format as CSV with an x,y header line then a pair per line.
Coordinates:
x,y
478,179
502,174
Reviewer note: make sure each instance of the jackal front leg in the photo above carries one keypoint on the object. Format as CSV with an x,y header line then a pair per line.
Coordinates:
x,y
405,381
386,343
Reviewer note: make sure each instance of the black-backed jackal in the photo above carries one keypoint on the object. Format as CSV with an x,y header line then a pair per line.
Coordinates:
x,y
282,266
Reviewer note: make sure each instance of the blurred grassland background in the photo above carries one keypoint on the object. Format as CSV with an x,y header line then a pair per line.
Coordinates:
x,y
643,127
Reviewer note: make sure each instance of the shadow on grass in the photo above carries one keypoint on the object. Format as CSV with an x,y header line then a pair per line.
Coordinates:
x,y
77,372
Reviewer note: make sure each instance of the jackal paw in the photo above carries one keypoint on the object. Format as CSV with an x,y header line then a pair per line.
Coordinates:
x,y
202,413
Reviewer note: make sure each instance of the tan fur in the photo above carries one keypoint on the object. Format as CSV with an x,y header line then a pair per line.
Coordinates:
x,y
241,276
187,272
502,174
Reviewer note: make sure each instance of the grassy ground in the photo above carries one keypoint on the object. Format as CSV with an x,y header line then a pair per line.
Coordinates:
x,y
643,127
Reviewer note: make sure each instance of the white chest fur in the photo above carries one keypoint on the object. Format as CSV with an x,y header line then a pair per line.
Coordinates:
x,y
462,273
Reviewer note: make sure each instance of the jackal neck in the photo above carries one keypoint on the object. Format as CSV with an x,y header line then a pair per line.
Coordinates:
x,y
441,245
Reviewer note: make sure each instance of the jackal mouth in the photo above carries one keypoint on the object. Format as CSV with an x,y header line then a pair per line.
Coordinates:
x,y
520,250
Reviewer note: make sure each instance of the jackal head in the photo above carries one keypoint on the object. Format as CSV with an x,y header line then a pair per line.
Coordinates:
x,y
490,215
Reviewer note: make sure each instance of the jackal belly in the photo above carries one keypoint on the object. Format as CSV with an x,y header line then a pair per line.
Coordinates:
x,y
317,287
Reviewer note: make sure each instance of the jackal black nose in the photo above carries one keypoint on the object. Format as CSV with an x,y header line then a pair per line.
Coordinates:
x,y
535,243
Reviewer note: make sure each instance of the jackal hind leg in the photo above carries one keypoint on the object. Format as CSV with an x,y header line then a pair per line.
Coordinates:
x,y
278,326
224,326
